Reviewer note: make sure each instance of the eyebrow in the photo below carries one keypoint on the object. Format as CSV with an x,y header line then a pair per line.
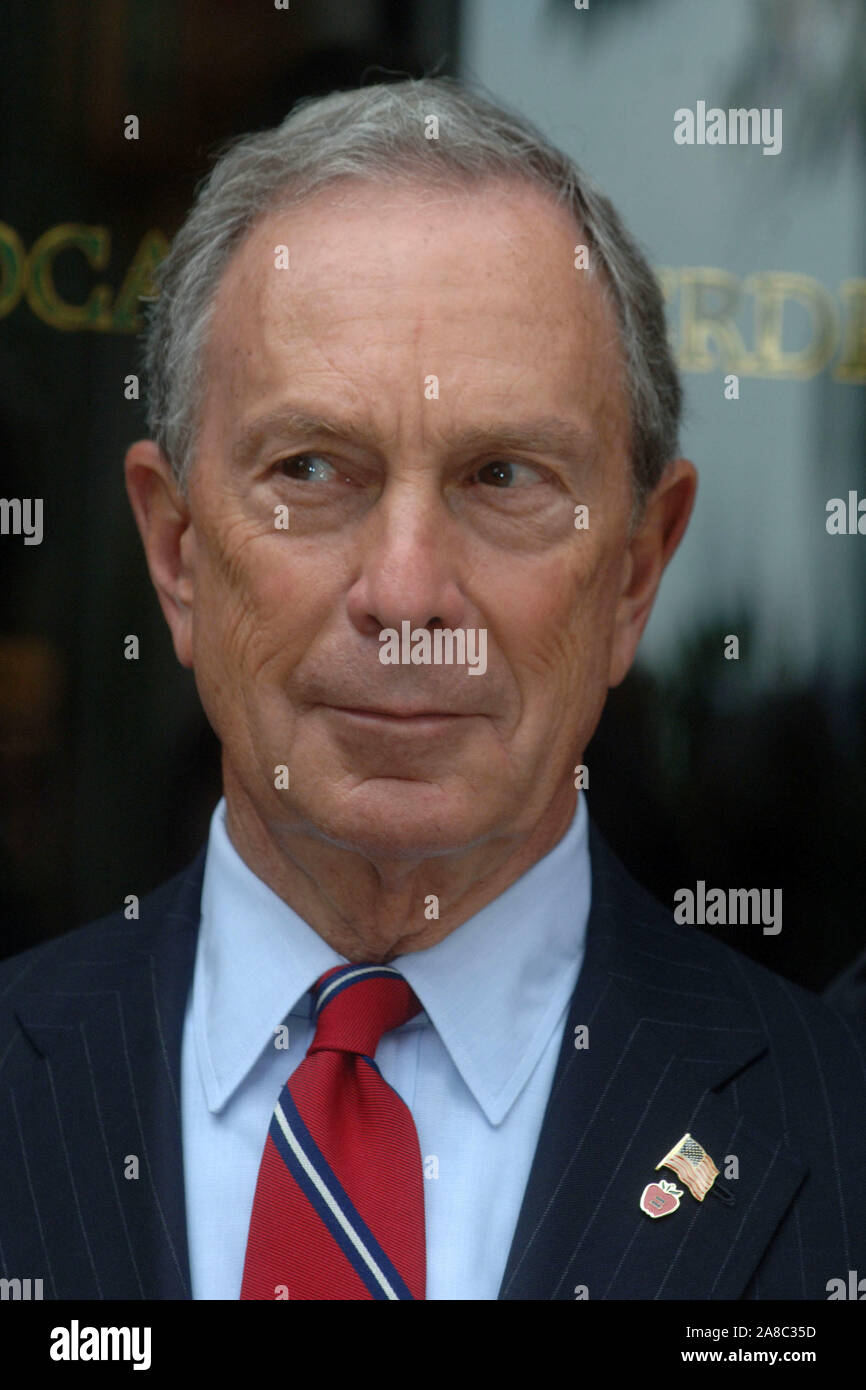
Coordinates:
x,y
545,434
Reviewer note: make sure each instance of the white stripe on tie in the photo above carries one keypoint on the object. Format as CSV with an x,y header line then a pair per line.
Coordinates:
x,y
355,975
356,1240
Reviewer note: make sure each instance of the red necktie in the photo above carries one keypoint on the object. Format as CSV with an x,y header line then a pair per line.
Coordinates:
x,y
339,1205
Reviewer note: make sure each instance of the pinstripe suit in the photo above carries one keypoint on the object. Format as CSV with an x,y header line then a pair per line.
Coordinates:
x,y
684,1035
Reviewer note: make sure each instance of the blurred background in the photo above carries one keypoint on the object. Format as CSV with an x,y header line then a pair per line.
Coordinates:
x,y
743,773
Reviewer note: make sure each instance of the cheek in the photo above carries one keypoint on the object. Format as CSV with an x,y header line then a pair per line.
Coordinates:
x,y
259,608
559,636
554,620
294,594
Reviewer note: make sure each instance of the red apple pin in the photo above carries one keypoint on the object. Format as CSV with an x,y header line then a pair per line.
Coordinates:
x,y
660,1198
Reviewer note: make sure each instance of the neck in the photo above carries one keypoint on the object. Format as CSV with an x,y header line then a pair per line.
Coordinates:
x,y
376,910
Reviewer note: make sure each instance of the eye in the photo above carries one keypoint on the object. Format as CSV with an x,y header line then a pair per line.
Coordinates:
x,y
502,473
307,468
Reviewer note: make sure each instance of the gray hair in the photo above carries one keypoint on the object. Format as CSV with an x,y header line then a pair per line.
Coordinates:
x,y
378,133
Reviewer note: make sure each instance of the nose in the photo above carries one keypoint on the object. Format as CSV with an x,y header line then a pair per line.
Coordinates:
x,y
409,564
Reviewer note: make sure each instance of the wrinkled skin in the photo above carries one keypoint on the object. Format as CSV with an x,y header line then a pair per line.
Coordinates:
x,y
396,513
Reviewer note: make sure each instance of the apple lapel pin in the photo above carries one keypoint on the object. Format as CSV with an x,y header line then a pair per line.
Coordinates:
x,y
660,1198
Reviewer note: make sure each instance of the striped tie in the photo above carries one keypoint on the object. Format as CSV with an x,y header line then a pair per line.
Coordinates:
x,y
339,1205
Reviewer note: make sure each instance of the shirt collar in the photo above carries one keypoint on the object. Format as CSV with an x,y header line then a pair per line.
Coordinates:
x,y
493,989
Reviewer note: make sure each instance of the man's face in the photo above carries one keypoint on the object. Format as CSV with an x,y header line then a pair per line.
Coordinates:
x,y
451,507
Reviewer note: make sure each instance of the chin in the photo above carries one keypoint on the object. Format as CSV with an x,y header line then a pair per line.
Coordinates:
x,y
401,819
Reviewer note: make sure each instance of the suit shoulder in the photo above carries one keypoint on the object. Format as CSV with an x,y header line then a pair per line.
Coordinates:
x,y
172,905
770,990
779,1003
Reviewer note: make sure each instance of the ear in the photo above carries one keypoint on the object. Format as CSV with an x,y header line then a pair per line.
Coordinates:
x,y
665,518
163,520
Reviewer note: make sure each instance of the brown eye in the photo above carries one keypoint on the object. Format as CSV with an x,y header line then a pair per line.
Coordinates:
x,y
503,474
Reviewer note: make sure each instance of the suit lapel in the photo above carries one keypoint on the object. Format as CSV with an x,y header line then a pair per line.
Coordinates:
x,y
668,1030
108,1189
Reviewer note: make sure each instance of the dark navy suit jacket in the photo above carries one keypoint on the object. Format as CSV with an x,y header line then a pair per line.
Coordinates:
x,y
685,1035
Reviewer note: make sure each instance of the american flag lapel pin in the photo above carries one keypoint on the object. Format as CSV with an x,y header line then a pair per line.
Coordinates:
x,y
692,1165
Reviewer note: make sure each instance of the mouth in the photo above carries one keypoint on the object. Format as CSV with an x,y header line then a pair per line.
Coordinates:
x,y
405,716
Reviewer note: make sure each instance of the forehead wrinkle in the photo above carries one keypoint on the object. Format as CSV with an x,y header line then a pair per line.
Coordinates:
x,y
282,319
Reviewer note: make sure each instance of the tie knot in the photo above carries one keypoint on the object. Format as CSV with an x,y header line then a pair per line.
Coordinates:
x,y
354,1005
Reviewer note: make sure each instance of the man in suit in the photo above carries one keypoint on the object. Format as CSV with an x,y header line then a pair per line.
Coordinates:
x,y
407,1028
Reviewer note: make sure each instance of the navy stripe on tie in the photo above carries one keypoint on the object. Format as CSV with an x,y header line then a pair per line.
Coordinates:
x,y
326,1194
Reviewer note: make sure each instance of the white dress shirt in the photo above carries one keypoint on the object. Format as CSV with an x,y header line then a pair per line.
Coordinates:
x,y
475,1067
